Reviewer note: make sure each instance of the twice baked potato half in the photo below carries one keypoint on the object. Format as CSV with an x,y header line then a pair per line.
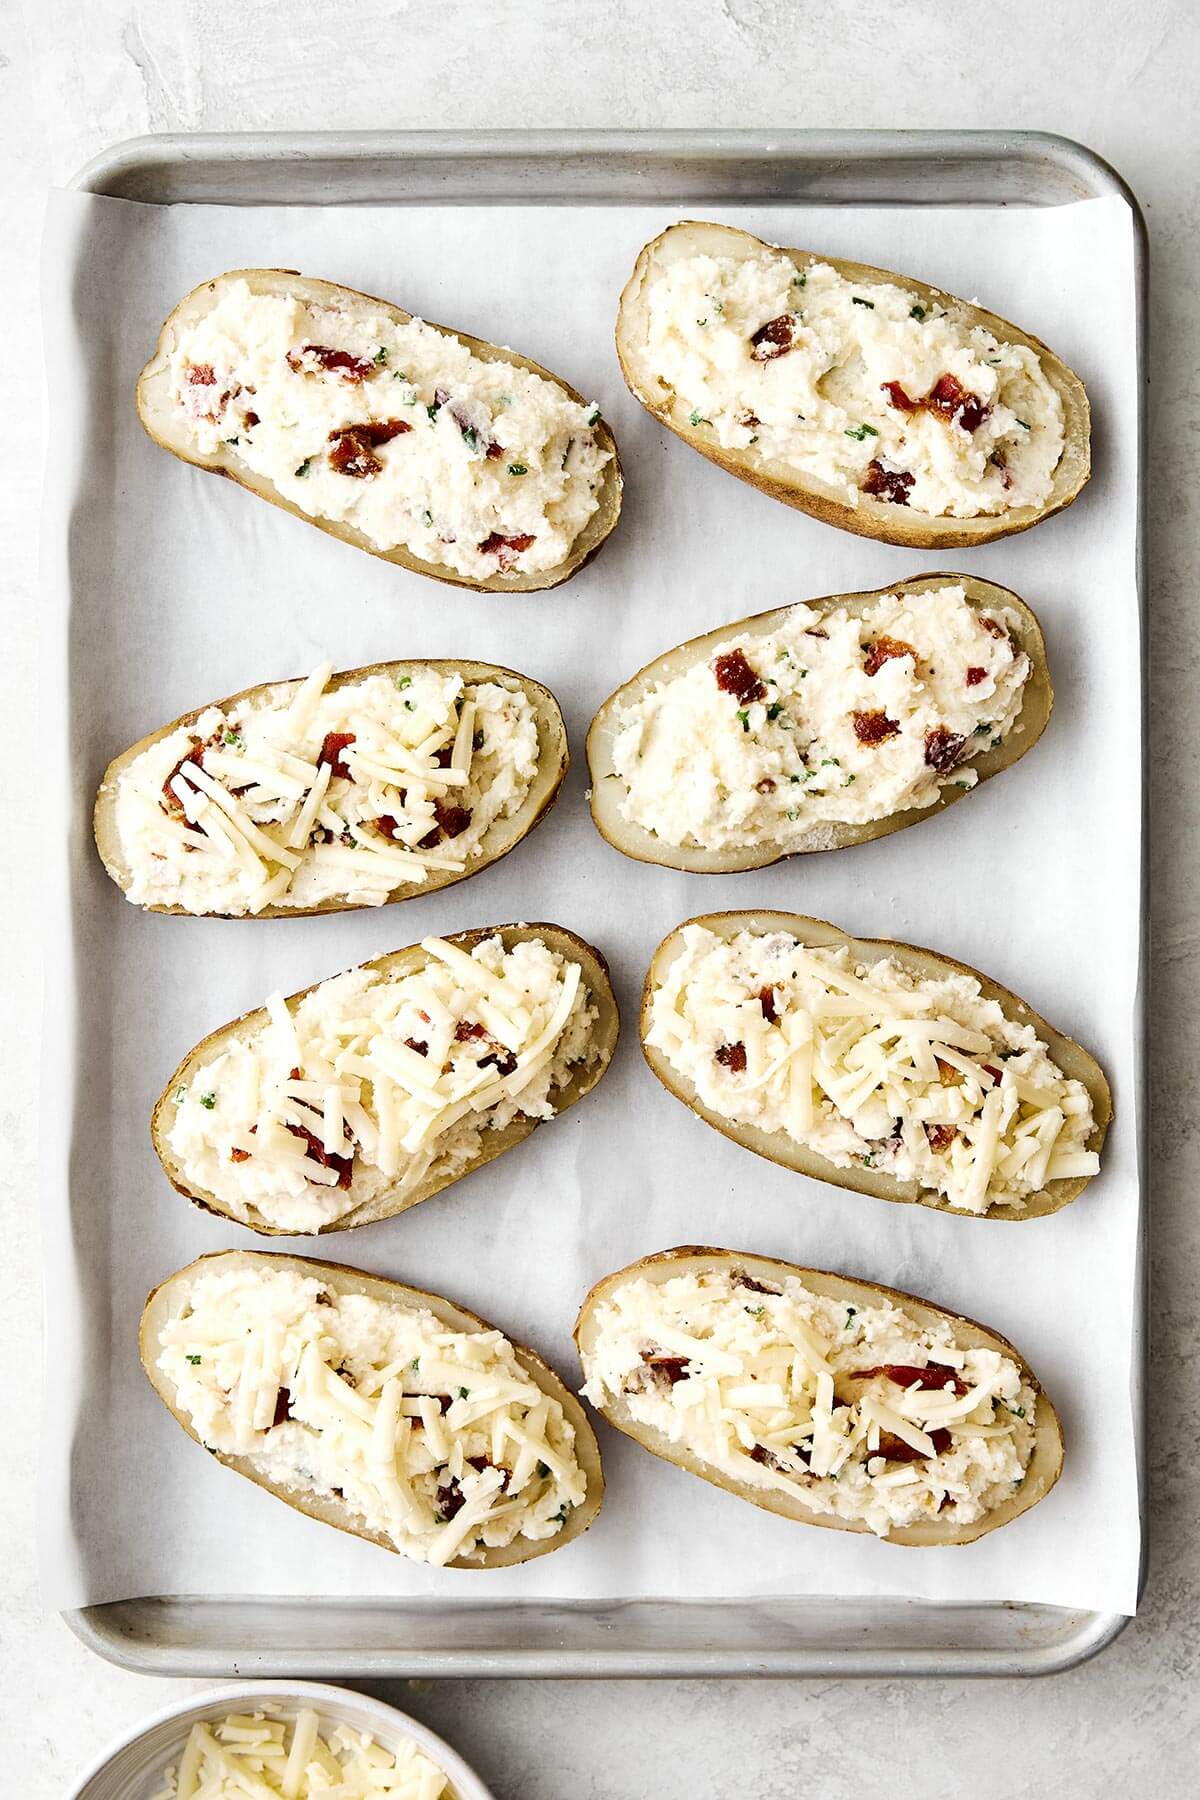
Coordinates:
x,y
337,791
879,1412
374,1090
818,725
275,1364
869,400
876,1066
433,449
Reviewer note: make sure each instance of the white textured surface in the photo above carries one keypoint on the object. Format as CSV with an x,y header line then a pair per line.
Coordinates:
x,y
1120,76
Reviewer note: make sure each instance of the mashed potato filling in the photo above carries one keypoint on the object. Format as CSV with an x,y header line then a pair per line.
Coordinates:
x,y
926,1080
371,1083
856,1411
396,429
303,793
436,1438
833,717
857,384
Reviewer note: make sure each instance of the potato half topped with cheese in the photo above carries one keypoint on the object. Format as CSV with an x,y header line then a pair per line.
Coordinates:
x,y
432,449
386,1411
368,1093
830,1401
818,725
870,400
873,1065
339,791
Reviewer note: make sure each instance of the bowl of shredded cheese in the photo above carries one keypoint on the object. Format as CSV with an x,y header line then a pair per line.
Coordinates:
x,y
279,1740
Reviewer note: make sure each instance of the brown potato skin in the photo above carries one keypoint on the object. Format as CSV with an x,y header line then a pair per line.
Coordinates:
x,y
553,761
1045,1464
346,1280
644,846
872,518
777,1147
158,419
388,1204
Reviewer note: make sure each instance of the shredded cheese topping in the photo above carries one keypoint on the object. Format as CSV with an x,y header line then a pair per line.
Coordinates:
x,y
860,385
396,429
854,1410
303,793
870,1067
276,1752
434,1437
832,717
374,1084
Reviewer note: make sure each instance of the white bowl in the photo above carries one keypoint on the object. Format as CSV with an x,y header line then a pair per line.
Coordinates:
x,y
132,1768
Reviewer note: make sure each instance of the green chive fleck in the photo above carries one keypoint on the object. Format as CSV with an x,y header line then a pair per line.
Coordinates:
x,y
1022,424
470,436
744,716
427,518
859,301
380,357
195,1361
305,466
208,1101
462,1393
403,681
560,1517
850,1312
180,1094
982,730
756,1312
234,740
793,815
916,312
800,279
593,415
859,432
849,779
697,418
433,412
795,778
774,710
517,469
414,1365
830,762
410,706
231,440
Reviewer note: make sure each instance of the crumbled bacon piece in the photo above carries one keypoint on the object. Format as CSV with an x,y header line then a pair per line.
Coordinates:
x,y
338,362
931,1377
975,675
450,1501
250,420
506,549
943,748
452,820
739,1278
882,650
418,1047
170,801
766,999
997,1075
768,1459
749,421
772,339
316,1149
386,824
466,1029
283,1407
950,400
765,786
888,484
445,756
331,753
732,1057
201,375
495,451
354,446
993,626
940,1136
236,1155
735,676
902,401
503,1061
873,727
894,1449
1000,461
666,1368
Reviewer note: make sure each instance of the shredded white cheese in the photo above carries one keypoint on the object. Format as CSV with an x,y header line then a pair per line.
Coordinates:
x,y
869,1067
398,430
437,1438
859,385
373,1084
274,1751
857,1411
832,717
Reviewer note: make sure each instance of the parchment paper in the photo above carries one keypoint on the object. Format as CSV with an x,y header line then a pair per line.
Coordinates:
x,y
164,588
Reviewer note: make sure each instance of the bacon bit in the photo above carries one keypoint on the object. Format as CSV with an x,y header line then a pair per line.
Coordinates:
x,y
338,362
331,753
740,1279
354,446
1000,461
993,626
996,1074
386,824
766,999
873,727
250,420
293,1075
896,1450
772,339
899,399
732,1057
236,1155
466,1029
765,786
505,549
452,821
950,400
170,801
975,675
888,484
749,421
445,756
882,650
768,1458
494,451
943,748
201,375
735,676
932,1377
940,1137
283,1407
417,1046
450,1500
316,1149
503,1061
666,1368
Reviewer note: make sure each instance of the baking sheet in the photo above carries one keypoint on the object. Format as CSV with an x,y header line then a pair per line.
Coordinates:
x,y
164,589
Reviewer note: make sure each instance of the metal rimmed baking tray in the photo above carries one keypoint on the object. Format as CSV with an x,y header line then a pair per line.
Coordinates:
x,y
188,1635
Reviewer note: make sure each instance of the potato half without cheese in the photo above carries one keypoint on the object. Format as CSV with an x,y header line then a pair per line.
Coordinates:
x,y
818,725
434,450
389,1412
371,1091
876,1066
868,399
827,1400
337,791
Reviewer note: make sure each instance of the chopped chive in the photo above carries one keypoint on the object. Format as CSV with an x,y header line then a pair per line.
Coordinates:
x,y
801,279
410,706
414,1365
194,1360
403,681
859,301
850,1312
231,440
744,716
380,357
427,517
593,415
774,710
180,1095
462,1393
305,466
916,312
208,1101
234,740
517,469
1023,425
859,432
697,418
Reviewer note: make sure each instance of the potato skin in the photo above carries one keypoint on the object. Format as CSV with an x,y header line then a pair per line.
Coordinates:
x,y
1045,1464
777,1147
346,1280
388,1204
871,518
644,846
158,419
553,761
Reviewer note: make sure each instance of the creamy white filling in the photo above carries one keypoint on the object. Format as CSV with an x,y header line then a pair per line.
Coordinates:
x,y
436,1438
926,1080
486,455
761,1385
704,764
818,399
399,1080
